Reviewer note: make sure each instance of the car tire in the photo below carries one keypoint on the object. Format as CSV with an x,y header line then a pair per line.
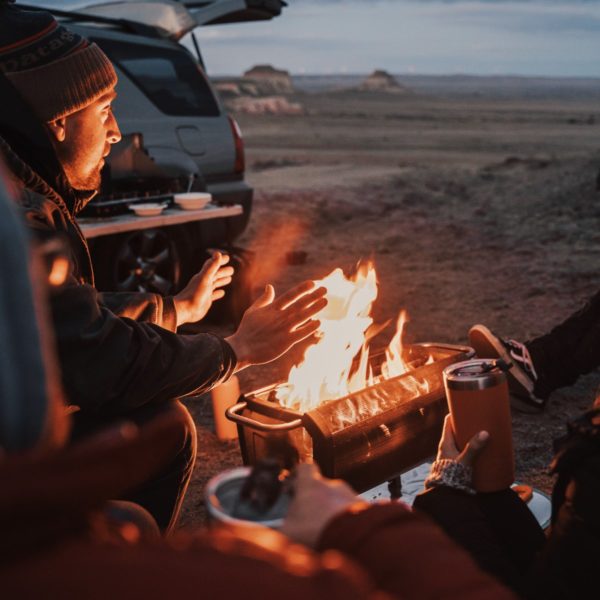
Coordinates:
x,y
147,260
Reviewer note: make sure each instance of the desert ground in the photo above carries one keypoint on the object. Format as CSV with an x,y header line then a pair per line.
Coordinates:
x,y
476,199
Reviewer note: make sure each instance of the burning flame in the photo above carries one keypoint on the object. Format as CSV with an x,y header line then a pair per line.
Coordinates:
x,y
338,364
394,366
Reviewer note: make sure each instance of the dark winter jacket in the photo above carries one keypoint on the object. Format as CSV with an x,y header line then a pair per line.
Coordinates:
x,y
501,534
110,363
569,560
48,214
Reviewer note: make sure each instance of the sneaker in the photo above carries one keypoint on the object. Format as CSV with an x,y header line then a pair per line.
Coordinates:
x,y
522,375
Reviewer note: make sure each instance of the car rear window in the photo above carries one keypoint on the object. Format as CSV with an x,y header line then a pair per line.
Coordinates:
x,y
170,78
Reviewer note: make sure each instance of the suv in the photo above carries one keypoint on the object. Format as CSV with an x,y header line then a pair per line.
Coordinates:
x,y
177,137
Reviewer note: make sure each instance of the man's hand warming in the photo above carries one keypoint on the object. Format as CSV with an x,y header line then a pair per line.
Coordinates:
x,y
270,327
195,300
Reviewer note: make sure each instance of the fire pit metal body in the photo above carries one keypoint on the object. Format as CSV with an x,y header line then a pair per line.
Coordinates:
x,y
365,438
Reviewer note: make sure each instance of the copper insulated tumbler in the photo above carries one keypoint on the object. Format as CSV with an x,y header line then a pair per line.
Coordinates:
x,y
477,392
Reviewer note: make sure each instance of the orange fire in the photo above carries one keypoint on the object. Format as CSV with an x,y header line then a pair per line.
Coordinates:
x,y
338,364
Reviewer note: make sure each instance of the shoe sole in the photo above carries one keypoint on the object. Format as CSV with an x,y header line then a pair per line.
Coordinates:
x,y
487,345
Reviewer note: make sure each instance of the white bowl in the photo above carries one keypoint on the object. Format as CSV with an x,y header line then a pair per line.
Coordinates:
x,y
192,200
147,209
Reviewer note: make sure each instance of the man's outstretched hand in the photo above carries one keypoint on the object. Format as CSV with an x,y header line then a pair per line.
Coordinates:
x,y
270,327
195,300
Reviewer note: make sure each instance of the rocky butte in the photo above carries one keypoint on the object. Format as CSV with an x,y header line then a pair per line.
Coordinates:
x,y
261,90
382,81
269,80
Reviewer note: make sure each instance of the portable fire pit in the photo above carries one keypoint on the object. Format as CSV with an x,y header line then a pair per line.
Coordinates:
x,y
366,437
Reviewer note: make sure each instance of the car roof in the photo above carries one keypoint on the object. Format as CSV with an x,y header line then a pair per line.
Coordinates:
x,y
169,18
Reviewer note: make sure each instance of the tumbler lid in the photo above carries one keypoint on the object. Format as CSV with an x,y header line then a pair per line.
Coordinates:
x,y
478,374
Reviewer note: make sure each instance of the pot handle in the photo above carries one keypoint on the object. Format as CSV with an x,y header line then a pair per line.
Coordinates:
x,y
232,414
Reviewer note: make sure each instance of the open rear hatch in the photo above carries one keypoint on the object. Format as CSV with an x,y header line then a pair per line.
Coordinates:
x,y
170,18
217,12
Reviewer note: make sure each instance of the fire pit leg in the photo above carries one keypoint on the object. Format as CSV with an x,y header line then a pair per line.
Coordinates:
x,y
395,488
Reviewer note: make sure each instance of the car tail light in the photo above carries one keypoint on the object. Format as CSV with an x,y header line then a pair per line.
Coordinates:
x,y
240,161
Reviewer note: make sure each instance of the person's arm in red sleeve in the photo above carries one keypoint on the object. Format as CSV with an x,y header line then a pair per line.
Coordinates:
x,y
404,553
408,556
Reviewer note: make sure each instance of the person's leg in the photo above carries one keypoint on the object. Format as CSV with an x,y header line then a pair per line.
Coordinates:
x,y
163,495
548,362
461,516
123,513
496,529
514,526
570,350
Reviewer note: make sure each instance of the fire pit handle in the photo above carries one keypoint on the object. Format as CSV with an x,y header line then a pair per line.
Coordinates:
x,y
232,414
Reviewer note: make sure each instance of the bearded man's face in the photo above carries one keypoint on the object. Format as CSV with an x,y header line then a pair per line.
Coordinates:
x,y
83,139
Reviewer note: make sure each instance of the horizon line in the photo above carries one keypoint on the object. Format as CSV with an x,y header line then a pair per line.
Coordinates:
x,y
406,74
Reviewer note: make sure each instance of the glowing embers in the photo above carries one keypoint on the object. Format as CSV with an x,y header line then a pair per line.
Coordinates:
x,y
339,364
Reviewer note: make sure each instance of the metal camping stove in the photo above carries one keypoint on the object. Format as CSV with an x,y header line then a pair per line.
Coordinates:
x,y
366,437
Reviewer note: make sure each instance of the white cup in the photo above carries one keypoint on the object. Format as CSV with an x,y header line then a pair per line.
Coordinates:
x,y
221,496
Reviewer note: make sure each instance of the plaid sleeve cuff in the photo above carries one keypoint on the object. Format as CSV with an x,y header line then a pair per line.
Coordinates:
x,y
449,473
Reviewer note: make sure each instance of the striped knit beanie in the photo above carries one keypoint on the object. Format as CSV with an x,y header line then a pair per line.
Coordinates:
x,y
57,71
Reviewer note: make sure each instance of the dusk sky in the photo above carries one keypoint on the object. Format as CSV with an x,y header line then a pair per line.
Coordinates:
x,y
527,37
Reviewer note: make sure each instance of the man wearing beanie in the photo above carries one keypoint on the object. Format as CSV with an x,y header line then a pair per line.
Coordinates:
x,y
119,354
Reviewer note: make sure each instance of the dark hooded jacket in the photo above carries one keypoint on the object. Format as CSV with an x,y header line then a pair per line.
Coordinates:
x,y
116,351
505,540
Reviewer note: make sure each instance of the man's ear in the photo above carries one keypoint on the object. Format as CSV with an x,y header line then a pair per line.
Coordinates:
x,y
58,129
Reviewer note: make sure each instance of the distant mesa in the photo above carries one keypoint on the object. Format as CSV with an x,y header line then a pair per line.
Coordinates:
x,y
263,89
259,81
382,81
266,71
262,80
269,80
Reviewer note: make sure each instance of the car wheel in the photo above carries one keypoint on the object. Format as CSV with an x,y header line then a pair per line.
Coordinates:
x,y
141,261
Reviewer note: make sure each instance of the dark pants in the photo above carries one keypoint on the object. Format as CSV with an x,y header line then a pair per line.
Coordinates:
x,y
497,529
570,350
163,495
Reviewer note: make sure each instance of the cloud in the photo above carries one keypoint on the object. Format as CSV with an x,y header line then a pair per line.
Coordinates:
x,y
371,2
534,15
554,37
